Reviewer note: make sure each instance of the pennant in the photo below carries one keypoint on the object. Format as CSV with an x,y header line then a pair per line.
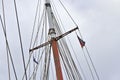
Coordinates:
x,y
82,43
35,60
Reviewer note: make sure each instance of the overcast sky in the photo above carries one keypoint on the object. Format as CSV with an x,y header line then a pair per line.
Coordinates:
x,y
100,25
98,20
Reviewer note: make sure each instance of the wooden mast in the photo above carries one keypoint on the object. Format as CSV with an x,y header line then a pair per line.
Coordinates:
x,y
57,60
54,42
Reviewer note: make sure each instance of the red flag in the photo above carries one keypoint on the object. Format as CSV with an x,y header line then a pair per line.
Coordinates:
x,y
82,43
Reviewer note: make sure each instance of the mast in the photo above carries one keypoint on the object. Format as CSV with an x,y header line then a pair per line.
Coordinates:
x,y
54,41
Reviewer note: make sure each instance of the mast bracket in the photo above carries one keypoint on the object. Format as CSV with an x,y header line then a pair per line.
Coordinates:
x,y
51,31
47,5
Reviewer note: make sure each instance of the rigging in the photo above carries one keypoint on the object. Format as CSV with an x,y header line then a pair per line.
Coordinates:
x,y
15,5
8,48
48,20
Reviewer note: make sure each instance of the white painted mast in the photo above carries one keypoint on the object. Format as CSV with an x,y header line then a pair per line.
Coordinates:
x,y
50,18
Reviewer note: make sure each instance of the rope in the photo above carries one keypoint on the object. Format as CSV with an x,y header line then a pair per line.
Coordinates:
x,y
8,63
68,13
36,38
49,58
88,65
71,18
34,22
38,29
77,59
20,38
52,71
38,2
6,35
92,63
87,62
8,48
72,61
41,36
89,56
31,52
45,66
3,15
38,64
67,60
65,66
